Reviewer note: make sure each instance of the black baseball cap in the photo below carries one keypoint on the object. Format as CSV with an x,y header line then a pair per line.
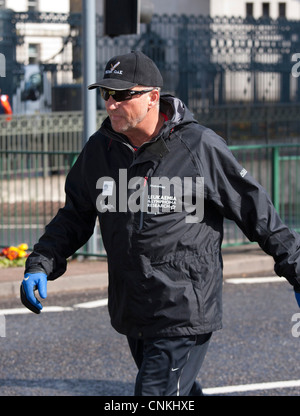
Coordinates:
x,y
126,71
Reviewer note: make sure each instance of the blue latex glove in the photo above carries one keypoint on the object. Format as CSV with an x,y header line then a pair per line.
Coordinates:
x,y
32,282
297,295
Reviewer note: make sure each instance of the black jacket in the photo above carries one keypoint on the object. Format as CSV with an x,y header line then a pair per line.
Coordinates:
x,y
165,268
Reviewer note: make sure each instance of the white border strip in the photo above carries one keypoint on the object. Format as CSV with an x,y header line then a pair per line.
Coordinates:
x,y
24,311
212,390
254,280
253,387
93,304
86,305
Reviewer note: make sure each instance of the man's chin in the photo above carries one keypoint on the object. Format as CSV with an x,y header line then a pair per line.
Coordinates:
x,y
117,124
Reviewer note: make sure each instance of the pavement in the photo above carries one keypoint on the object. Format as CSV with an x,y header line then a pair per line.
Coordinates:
x,y
91,274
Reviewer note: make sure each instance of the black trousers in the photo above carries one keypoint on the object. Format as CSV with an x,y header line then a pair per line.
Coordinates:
x,y
169,366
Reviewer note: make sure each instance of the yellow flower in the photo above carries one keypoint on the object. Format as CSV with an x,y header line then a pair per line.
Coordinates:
x,y
13,248
23,247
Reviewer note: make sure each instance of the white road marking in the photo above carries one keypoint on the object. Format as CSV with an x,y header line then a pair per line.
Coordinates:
x,y
24,311
211,390
93,304
57,308
253,387
254,280
46,309
104,302
16,311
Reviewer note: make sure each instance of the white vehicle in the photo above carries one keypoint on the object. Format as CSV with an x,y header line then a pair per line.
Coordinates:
x,y
34,93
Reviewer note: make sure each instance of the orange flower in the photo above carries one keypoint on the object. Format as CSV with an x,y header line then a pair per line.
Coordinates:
x,y
13,253
4,251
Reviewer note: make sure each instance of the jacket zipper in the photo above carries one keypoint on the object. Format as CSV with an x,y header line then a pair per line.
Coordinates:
x,y
142,202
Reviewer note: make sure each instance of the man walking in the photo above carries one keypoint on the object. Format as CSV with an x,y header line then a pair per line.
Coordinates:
x,y
160,185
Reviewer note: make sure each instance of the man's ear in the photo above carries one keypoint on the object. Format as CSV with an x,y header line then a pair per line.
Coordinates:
x,y
153,98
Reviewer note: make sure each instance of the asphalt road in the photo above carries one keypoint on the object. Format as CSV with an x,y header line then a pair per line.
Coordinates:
x,y
75,352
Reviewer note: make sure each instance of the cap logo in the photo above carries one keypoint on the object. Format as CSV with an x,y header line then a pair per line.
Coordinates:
x,y
113,70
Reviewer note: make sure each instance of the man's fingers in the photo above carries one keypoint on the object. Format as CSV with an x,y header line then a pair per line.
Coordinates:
x,y
26,302
30,287
32,282
42,288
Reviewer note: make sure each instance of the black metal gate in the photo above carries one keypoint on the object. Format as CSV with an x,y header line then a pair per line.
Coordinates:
x,y
205,61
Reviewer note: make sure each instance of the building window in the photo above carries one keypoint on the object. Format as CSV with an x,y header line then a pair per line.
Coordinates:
x,y
249,9
33,5
266,9
33,53
282,10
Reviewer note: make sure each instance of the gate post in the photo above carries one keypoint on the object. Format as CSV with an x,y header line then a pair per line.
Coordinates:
x,y
89,68
275,177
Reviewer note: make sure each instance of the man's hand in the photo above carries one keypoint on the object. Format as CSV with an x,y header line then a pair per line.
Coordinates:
x,y
31,282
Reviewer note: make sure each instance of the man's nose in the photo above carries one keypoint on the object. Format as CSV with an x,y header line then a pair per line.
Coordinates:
x,y
111,103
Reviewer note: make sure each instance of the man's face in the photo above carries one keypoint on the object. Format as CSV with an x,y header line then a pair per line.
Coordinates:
x,y
127,115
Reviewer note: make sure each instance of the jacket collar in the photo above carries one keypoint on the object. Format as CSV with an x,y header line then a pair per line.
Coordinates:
x,y
177,114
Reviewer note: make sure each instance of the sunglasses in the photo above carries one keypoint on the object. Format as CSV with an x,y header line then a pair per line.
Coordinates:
x,y
121,95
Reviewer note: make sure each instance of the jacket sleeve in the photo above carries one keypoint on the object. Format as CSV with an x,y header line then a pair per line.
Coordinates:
x,y
69,230
242,199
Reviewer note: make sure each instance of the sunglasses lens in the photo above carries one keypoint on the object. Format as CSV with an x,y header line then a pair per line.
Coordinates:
x,y
116,95
106,94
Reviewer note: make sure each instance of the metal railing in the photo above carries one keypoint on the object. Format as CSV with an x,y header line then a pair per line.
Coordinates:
x,y
44,132
277,168
239,124
30,194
